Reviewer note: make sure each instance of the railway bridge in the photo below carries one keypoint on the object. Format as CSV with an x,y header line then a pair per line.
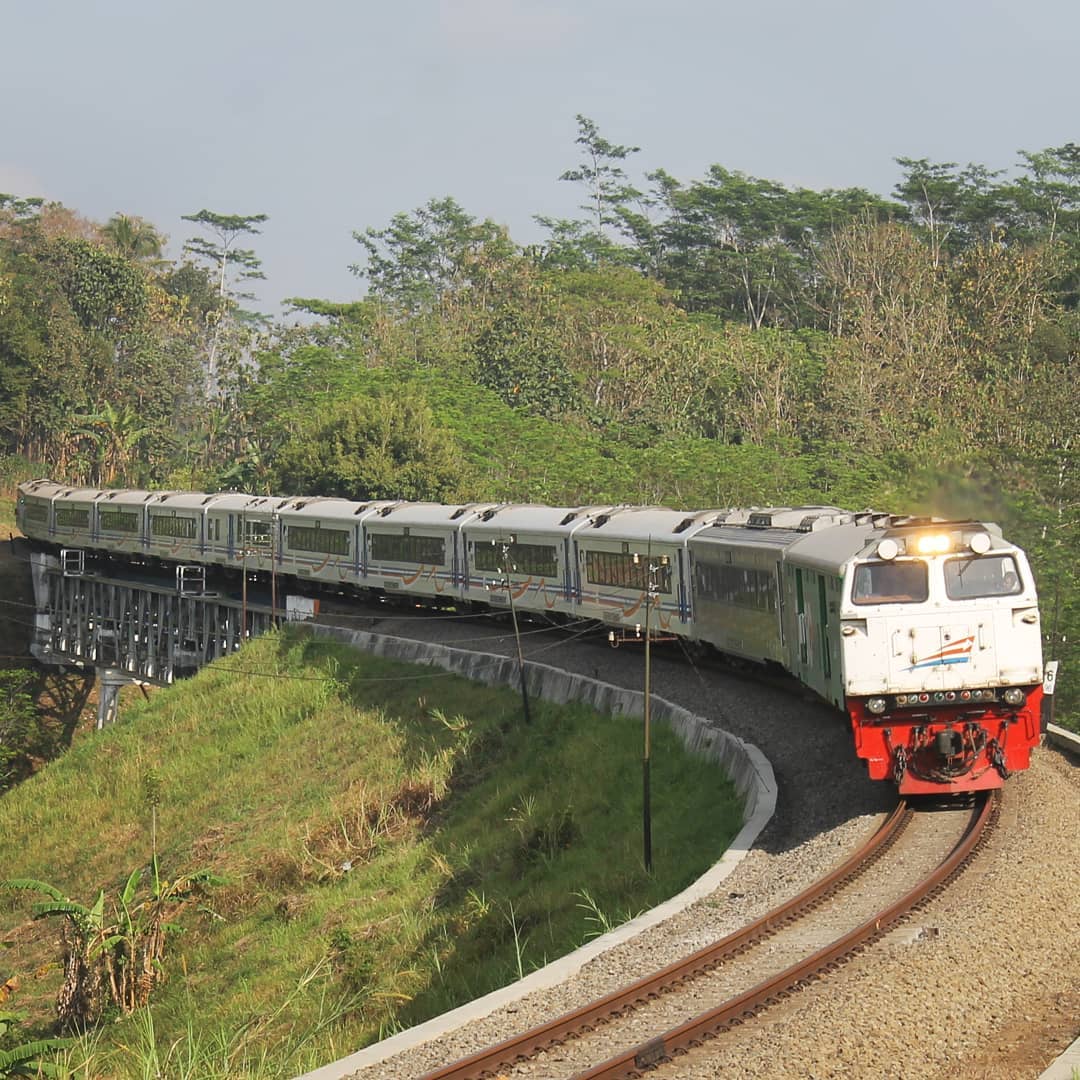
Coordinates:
x,y
135,627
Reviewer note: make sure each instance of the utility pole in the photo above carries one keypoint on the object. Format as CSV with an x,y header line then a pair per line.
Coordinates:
x,y
652,593
274,525
243,592
505,569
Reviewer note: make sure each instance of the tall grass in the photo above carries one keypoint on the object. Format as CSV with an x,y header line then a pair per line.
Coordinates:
x,y
386,859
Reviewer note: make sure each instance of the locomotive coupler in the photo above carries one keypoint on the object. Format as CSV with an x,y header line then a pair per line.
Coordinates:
x,y
948,743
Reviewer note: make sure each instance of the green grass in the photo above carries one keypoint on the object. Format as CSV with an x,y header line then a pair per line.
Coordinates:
x,y
396,841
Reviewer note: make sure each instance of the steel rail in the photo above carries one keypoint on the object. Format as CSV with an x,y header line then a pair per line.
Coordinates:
x,y
519,1047
744,1007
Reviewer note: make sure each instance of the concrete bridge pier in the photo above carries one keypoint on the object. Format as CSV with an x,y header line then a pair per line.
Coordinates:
x,y
109,681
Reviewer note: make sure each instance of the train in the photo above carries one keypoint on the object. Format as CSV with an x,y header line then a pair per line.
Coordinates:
x,y
925,632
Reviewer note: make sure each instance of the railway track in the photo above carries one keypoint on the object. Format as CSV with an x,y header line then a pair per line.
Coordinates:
x,y
667,1014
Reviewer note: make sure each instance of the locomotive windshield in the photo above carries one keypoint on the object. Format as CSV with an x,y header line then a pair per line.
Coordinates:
x,y
891,583
980,576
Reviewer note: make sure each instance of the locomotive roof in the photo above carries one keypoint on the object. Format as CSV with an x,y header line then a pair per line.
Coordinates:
x,y
775,527
830,549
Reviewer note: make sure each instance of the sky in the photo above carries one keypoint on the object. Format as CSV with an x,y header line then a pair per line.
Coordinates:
x,y
330,117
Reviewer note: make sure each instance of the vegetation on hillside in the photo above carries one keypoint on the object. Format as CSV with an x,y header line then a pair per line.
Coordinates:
x,y
383,859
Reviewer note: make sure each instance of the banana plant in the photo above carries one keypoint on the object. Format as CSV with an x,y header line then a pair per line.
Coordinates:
x,y
26,1059
113,951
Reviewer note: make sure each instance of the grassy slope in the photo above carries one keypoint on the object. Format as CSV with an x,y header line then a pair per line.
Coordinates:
x,y
470,838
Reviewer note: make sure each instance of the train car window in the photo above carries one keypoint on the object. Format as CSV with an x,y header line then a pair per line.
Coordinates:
x,y
891,583
981,576
35,511
619,570
324,541
72,518
537,559
739,586
257,533
118,521
418,550
182,528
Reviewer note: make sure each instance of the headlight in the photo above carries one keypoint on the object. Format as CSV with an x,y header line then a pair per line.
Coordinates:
x,y
934,543
1014,696
888,549
876,705
980,543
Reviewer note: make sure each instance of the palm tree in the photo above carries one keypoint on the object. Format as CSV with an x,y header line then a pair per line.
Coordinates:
x,y
134,238
113,434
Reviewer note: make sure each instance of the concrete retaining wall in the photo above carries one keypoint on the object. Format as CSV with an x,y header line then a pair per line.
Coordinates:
x,y
1062,737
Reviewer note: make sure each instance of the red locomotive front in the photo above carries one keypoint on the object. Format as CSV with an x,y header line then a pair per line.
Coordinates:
x,y
942,658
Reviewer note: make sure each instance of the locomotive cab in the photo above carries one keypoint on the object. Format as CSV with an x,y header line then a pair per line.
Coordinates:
x,y
942,656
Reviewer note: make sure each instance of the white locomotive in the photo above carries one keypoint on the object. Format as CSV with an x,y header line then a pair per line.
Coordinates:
x,y
925,632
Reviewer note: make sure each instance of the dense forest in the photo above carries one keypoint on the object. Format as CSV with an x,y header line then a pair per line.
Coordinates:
x,y
719,341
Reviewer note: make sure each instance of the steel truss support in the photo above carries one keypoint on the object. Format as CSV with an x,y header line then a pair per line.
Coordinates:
x,y
135,631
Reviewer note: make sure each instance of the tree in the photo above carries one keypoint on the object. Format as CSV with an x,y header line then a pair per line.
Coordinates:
x,y
606,182
420,258
610,196
134,238
952,208
519,357
25,1059
891,304
105,291
114,435
383,447
223,255
1048,200
741,247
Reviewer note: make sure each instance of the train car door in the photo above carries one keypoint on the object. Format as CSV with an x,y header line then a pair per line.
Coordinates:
x,y
781,606
807,664
684,603
817,667
823,628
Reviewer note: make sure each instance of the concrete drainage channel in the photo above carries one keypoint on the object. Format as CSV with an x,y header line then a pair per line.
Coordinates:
x,y
748,768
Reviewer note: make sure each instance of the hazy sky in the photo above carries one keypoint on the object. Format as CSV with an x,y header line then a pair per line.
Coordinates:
x,y
332,116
